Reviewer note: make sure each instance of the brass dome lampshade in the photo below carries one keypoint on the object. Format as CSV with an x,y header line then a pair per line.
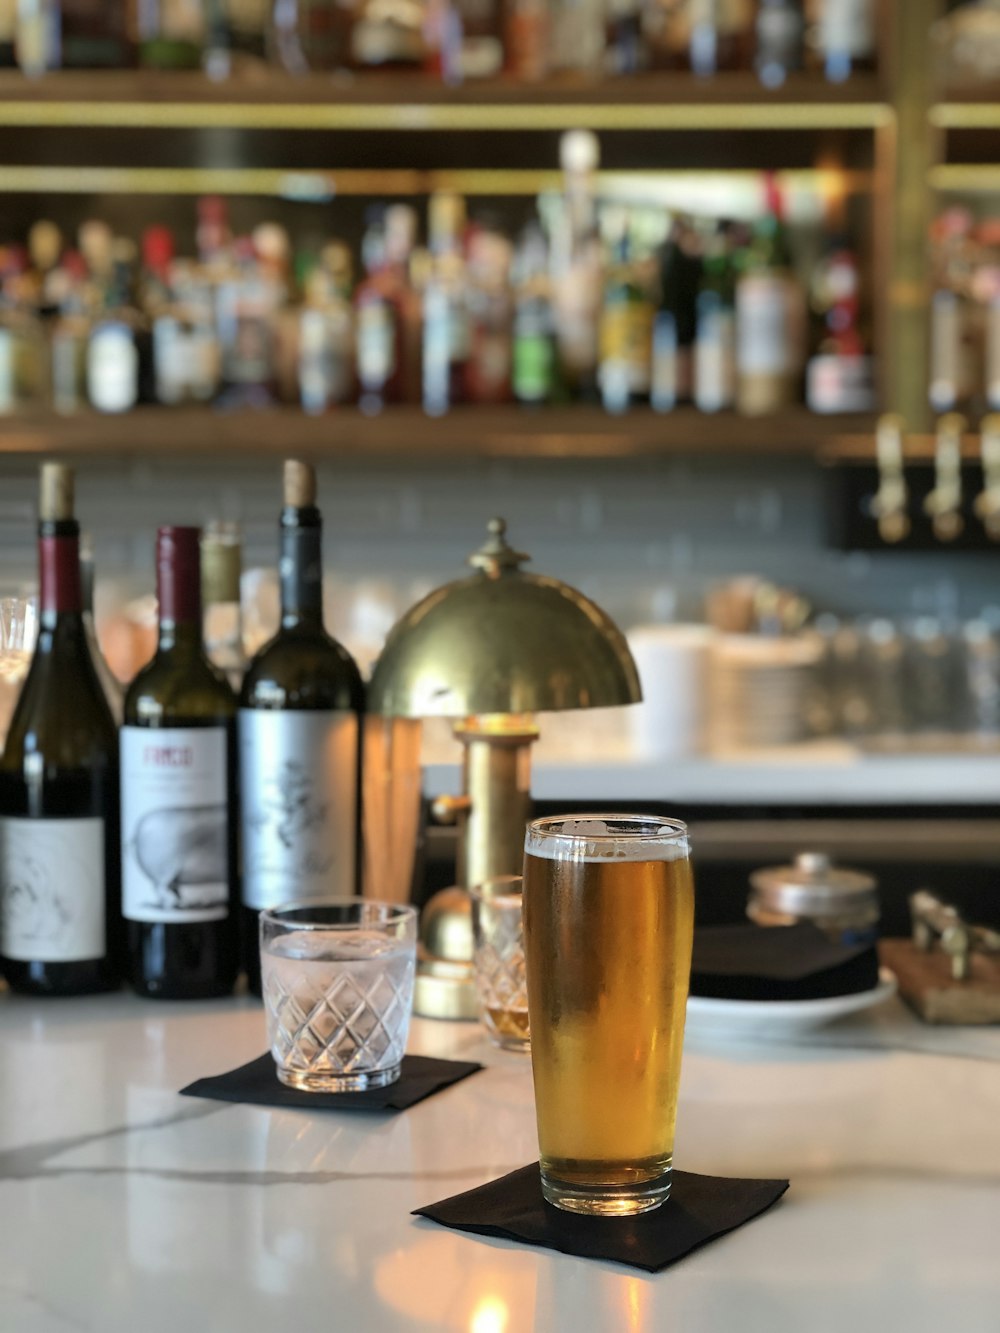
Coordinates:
x,y
491,650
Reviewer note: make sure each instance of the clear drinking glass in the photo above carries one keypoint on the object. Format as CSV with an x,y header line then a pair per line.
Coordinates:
x,y
337,981
499,961
608,925
18,631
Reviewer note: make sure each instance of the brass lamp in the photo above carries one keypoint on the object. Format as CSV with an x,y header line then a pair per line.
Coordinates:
x,y
491,650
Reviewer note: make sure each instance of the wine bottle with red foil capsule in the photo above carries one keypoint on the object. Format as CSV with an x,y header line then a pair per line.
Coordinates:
x,y
179,814
60,924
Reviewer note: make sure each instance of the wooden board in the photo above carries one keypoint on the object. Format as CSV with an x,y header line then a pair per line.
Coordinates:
x,y
926,984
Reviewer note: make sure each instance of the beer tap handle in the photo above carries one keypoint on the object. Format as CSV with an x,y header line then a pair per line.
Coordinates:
x,y
987,502
944,504
890,500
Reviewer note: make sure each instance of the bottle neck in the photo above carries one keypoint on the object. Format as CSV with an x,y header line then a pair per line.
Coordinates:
x,y
60,592
301,567
178,592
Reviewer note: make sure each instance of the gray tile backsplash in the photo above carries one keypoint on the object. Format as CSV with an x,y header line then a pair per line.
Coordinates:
x,y
644,537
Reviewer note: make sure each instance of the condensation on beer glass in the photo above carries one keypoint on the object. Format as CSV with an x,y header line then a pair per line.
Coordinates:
x,y
608,924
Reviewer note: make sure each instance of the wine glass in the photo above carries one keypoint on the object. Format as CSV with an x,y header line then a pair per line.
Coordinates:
x,y
18,631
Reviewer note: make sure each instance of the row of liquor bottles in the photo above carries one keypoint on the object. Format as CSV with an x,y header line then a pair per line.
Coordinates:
x,y
454,39
145,852
597,305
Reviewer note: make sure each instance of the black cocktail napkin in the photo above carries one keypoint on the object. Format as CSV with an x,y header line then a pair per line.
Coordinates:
x,y
700,1209
749,962
257,1084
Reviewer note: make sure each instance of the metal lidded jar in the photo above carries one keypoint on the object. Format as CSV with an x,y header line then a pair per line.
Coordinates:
x,y
842,903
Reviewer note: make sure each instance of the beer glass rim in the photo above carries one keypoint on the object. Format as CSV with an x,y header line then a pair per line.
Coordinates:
x,y
300,915
619,829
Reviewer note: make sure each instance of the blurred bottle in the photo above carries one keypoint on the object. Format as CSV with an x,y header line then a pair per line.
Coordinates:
x,y
667,33
8,34
625,41
94,35
720,36
388,35
770,318
527,39
488,266
70,336
577,265
675,321
119,353
967,44
246,23
23,350
110,684
446,316
376,332
402,264
247,303
840,376
171,34
222,619
37,38
534,336
309,35
326,333
842,37
715,338
577,36
779,41
626,327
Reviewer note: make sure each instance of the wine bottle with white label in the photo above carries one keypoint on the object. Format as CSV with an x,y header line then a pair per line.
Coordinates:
x,y
179,818
60,924
299,731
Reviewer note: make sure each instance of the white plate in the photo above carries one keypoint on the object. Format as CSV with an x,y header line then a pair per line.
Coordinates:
x,y
773,1019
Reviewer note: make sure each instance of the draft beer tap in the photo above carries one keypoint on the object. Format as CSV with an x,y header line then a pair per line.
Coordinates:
x,y
944,504
987,502
889,503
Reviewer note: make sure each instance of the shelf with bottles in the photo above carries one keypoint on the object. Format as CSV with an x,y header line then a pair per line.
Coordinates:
x,y
504,432
613,303
330,57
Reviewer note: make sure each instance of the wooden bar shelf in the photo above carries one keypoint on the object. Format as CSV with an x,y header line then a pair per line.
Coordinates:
x,y
508,432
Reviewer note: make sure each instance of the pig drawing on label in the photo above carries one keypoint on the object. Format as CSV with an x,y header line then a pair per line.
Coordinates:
x,y
291,808
183,853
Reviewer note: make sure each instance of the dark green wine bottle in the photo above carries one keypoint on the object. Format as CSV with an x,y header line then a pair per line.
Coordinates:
x,y
299,737
180,889
60,924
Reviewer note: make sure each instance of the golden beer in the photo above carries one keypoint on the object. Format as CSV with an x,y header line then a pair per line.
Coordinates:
x,y
608,922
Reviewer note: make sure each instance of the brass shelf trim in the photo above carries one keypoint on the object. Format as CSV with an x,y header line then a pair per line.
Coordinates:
x,y
706,116
965,115
965,178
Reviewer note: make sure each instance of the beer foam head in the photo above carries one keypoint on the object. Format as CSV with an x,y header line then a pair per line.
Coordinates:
x,y
607,838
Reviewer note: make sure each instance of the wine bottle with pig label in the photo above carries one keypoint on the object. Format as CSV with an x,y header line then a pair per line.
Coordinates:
x,y
299,739
179,815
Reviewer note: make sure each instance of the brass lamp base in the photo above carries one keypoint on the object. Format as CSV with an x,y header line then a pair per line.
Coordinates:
x,y
445,986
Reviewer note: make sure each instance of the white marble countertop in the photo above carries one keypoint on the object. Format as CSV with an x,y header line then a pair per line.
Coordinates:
x,y
125,1208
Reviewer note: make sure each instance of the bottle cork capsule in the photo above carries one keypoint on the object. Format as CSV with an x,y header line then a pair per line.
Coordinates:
x,y
299,484
56,492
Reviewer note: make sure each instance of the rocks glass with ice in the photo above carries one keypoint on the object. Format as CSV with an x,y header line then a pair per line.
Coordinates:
x,y
337,980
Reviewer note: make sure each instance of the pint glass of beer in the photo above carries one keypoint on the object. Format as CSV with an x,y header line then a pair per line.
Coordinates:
x,y
608,922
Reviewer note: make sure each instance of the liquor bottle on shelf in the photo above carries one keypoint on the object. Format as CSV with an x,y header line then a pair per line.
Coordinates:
x,y
110,683
720,35
94,35
533,368
246,23
37,37
715,337
120,351
245,306
388,36
326,333
843,37
446,316
180,891
70,337
527,39
306,35
480,49
840,376
675,321
406,295
222,618
171,33
952,370
666,32
60,923
770,318
779,41
626,328
23,351
377,333
488,369
625,47
8,34
577,265
299,733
